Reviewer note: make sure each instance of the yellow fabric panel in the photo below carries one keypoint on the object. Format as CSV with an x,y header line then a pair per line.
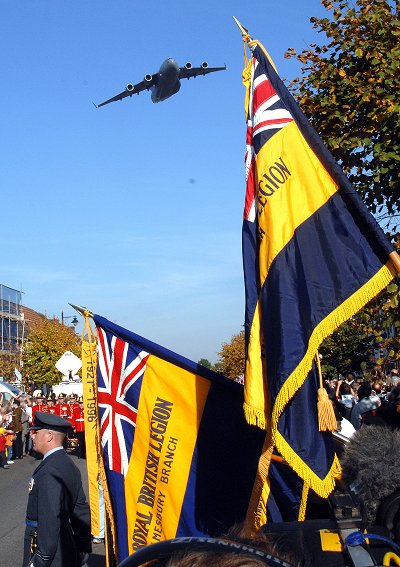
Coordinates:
x,y
170,408
257,399
292,185
89,361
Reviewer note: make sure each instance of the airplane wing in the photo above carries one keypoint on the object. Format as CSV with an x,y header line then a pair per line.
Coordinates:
x,y
131,90
187,73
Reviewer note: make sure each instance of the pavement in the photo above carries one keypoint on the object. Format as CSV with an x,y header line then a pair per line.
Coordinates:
x,y
13,500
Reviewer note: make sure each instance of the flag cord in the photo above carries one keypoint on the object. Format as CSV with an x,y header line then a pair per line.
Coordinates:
x,y
253,43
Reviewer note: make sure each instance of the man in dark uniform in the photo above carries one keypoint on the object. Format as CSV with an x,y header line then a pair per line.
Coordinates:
x,y
58,532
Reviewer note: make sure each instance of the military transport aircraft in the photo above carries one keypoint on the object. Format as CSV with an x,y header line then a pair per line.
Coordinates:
x,y
166,82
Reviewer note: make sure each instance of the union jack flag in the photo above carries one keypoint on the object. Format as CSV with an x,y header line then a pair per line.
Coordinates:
x,y
121,370
266,115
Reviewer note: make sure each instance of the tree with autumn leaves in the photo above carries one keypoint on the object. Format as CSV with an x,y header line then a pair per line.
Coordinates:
x,y
231,357
10,359
45,344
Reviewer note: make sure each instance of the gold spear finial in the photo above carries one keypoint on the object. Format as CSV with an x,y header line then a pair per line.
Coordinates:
x,y
243,30
81,310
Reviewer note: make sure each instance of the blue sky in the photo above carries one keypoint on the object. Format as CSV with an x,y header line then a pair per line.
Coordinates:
x,y
135,209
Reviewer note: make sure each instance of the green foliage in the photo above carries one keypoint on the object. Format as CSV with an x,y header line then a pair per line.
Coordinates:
x,y
204,362
350,92
381,318
232,357
349,348
46,343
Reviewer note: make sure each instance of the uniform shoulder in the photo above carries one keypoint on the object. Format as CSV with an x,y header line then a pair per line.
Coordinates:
x,y
60,466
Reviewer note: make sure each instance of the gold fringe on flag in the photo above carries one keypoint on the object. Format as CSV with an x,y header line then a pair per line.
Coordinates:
x,y
257,509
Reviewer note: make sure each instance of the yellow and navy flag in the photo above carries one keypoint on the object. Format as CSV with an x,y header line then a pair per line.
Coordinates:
x,y
180,458
313,256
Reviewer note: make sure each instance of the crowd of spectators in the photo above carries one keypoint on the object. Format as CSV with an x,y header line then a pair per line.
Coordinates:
x,y
372,399
16,416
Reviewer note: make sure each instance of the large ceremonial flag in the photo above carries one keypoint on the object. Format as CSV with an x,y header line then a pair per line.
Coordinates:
x,y
180,458
313,256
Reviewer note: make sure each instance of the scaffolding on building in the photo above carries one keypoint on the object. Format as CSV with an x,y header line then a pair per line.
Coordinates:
x,y
12,320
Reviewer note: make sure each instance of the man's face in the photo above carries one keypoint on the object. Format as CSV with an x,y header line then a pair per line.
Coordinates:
x,y
40,439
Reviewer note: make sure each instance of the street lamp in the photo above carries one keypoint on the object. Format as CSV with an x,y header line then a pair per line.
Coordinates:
x,y
73,317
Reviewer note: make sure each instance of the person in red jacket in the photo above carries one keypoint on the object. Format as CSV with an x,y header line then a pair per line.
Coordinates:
x,y
62,406
52,407
44,408
39,406
71,404
78,423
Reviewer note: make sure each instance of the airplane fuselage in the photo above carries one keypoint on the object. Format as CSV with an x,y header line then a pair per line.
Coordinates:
x,y
168,82
165,83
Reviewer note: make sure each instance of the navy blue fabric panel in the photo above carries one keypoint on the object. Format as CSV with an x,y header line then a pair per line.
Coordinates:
x,y
164,353
325,262
286,490
251,272
299,426
116,487
350,196
223,468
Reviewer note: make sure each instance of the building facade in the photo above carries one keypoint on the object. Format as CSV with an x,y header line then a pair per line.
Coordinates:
x,y
12,320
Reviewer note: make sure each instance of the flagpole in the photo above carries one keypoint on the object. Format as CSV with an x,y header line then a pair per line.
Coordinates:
x,y
82,310
395,258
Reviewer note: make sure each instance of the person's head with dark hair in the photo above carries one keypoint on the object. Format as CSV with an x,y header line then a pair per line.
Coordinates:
x,y
16,403
345,389
364,391
394,394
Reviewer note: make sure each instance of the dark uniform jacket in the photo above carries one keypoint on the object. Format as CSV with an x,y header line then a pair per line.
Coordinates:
x,y
58,512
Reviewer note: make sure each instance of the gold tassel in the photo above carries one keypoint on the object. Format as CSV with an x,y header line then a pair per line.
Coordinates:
x,y
326,415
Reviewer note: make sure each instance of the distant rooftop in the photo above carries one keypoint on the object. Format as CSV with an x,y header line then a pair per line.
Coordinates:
x,y
31,316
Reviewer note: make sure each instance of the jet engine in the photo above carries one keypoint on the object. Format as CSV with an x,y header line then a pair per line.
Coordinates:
x,y
204,65
129,88
188,65
148,78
